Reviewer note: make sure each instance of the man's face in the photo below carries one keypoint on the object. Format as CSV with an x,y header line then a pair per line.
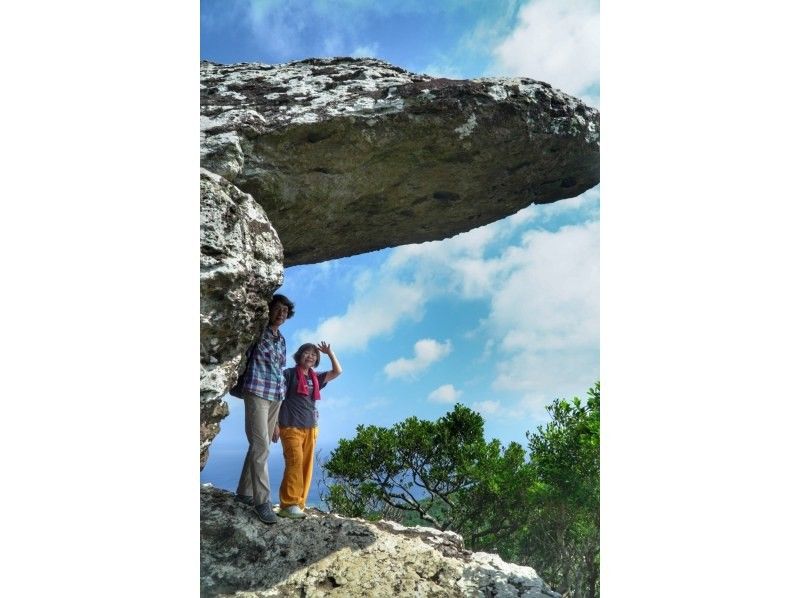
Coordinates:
x,y
277,314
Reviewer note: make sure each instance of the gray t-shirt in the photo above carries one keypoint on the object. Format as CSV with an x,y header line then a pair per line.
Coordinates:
x,y
299,411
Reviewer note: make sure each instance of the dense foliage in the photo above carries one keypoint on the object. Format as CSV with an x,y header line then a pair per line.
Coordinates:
x,y
542,511
562,539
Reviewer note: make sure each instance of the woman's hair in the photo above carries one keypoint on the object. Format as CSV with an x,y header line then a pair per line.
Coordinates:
x,y
303,348
285,300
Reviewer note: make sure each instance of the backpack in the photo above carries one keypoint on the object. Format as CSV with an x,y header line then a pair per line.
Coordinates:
x,y
238,389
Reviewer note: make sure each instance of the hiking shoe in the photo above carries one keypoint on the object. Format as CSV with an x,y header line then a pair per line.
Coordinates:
x,y
248,500
293,512
265,513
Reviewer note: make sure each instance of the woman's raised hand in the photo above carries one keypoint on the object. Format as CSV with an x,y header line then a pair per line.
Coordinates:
x,y
328,350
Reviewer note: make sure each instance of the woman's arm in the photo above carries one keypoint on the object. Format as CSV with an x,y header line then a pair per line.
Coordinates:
x,y
328,350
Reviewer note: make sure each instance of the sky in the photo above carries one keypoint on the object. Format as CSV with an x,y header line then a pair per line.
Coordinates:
x,y
503,318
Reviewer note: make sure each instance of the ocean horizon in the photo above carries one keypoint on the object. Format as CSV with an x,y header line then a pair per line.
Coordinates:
x,y
224,466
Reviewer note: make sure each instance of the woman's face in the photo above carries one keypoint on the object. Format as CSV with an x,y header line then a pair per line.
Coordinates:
x,y
278,314
308,358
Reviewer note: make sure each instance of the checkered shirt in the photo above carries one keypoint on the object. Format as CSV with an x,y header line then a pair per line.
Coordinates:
x,y
264,374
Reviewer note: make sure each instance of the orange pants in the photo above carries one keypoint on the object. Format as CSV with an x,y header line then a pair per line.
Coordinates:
x,y
298,456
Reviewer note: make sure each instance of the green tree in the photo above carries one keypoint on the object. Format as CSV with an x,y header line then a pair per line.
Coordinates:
x,y
562,535
543,511
443,474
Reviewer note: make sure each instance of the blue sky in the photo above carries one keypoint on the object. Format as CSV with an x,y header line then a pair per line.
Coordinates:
x,y
557,41
504,318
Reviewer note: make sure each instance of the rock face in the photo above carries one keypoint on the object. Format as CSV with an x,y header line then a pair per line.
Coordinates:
x,y
325,158
240,267
328,555
353,155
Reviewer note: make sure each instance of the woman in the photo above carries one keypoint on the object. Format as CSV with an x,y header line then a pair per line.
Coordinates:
x,y
297,425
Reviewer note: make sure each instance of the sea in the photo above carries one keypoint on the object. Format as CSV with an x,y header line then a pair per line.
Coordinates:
x,y
224,466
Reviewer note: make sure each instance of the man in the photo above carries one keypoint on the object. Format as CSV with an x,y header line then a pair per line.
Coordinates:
x,y
263,388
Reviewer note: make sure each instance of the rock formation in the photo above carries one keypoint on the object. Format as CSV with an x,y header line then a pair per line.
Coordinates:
x,y
365,155
328,555
325,158
240,267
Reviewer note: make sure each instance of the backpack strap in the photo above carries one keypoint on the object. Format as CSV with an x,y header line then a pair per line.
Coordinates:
x,y
291,381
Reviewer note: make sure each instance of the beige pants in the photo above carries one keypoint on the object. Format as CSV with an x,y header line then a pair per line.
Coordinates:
x,y
260,417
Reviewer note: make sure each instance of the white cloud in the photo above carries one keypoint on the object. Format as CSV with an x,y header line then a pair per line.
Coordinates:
x,y
426,352
366,51
376,404
486,407
373,313
333,45
542,327
445,394
457,266
530,407
335,404
557,41
587,203
292,29
469,244
550,300
461,269
546,314
399,290
274,26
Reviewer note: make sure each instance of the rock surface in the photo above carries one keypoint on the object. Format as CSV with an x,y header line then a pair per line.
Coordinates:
x,y
352,155
328,555
240,267
324,158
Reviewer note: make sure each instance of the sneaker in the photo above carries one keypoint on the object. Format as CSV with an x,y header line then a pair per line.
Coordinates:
x,y
293,512
265,513
248,500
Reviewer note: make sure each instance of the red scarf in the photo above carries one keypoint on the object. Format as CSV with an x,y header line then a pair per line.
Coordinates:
x,y
302,388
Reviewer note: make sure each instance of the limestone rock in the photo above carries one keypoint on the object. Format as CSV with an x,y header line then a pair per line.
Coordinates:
x,y
352,155
328,555
240,267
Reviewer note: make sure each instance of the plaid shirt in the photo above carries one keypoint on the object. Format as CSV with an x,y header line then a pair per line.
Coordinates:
x,y
264,374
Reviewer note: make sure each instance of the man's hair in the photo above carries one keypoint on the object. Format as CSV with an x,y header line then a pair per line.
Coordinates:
x,y
285,300
303,348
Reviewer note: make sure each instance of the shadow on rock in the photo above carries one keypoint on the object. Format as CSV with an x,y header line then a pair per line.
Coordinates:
x,y
240,553
329,555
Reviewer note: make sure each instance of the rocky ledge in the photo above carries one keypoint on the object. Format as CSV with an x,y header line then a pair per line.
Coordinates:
x,y
352,155
329,555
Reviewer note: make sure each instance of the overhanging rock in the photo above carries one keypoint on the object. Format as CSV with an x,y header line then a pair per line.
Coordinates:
x,y
352,155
